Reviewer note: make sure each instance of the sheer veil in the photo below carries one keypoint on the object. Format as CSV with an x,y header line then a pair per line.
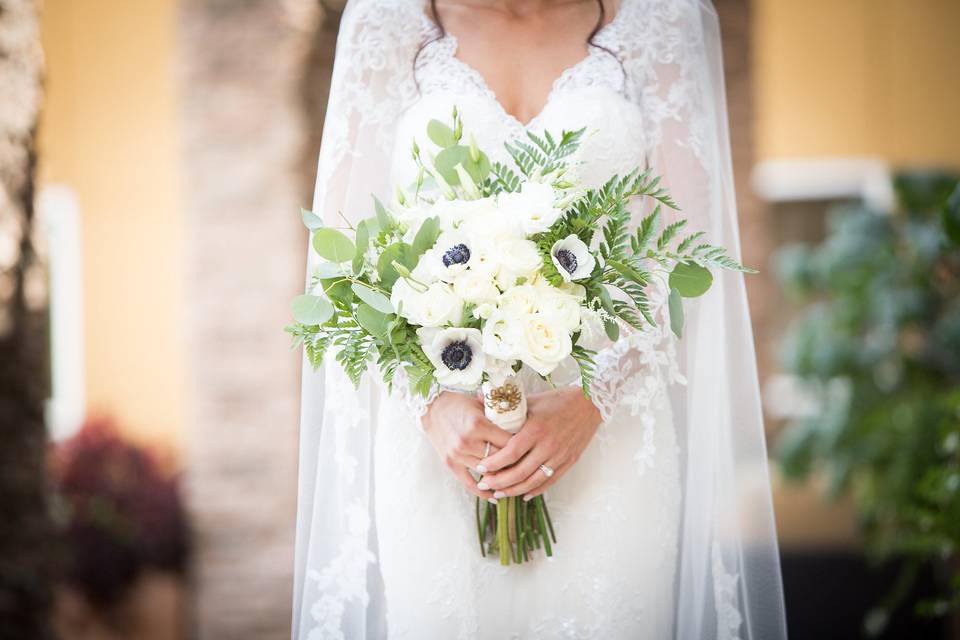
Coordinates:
x,y
728,577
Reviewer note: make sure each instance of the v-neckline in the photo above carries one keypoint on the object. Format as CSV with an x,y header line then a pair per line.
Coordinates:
x,y
481,81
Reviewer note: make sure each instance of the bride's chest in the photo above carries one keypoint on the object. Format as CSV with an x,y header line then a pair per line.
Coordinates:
x,y
589,94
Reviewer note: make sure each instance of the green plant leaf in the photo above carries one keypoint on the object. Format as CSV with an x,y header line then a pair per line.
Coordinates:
x,y
373,298
383,218
690,279
327,270
612,329
311,310
441,134
338,290
426,236
447,160
310,220
363,240
373,321
675,303
399,252
333,245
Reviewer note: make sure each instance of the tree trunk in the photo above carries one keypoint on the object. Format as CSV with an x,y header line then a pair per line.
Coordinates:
x,y
25,531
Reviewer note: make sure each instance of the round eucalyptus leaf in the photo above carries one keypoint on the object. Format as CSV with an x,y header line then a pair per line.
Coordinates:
x,y
374,322
427,235
441,134
333,245
447,160
338,290
327,270
690,279
310,220
396,252
478,170
373,298
311,310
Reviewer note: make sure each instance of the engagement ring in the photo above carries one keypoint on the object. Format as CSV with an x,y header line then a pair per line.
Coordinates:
x,y
547,471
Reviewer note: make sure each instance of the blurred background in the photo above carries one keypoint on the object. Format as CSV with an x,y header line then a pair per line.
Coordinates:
x,y
153,156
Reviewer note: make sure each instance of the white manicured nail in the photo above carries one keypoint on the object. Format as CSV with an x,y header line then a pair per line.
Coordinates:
x,y
499,494
483,486
492,500
481,468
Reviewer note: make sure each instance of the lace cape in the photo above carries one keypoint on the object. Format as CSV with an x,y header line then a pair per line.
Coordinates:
x,y
728,583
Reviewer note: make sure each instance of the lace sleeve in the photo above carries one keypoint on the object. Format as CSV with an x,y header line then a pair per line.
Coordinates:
x,y
631,371
416,404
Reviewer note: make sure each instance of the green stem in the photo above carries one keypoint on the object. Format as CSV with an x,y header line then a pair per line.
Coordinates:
x,y
541,519
479,526
503,533
546,512
518,522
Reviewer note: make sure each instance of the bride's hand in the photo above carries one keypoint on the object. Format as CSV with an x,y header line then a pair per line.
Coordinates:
x,y
559,426
459,431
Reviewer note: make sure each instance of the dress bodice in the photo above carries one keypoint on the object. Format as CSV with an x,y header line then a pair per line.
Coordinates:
x,y
589,94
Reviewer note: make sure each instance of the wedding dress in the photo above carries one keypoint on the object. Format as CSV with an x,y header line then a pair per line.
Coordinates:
x,y
664,524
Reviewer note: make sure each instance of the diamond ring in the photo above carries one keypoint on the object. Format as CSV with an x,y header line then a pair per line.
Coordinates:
x,y
547,471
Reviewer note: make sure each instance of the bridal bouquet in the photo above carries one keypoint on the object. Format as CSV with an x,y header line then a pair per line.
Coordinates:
x,y
480,268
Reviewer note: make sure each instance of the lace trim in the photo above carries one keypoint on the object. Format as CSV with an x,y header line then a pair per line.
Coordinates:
x,y
343,580
726,598
416,404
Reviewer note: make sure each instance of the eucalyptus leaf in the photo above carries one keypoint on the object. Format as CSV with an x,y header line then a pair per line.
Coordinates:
x,y
427,235
675,303
605,301
447,160
326,270
383,218
690,279
441,134
333,245
338,290
311,310
396,252
373,321
310,220
363,240
373,298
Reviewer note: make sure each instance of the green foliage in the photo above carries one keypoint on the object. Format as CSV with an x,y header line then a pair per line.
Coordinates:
x,y
879,348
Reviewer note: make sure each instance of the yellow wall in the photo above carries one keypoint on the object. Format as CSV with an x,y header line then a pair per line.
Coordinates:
x,y
109,132
858,77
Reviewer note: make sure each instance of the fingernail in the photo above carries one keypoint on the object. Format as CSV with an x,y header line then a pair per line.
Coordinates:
x,y
492,500
483,486
481,468
527,498
499,494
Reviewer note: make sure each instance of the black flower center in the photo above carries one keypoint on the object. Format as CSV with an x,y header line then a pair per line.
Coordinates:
x,y
457,254
457,355
567,260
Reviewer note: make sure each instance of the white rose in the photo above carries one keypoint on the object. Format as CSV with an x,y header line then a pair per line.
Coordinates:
x,y
543,342
484,256
519,301
518,259
533,207
406,300
440,306
564,302
456,354
476,287
573,258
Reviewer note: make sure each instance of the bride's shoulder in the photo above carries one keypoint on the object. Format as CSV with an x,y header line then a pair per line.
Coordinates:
x,y
401,14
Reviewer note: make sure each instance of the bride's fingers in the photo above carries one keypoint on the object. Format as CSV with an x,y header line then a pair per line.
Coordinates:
x,y
463,475
535,481
557,473
516,474
515,448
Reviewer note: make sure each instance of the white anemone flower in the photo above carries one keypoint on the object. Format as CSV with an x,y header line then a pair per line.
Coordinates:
x,y
572,258
456,354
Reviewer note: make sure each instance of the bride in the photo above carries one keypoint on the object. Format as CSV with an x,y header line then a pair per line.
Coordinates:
x,y
658,482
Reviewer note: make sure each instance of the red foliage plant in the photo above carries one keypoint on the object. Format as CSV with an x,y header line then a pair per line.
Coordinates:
x,y
121,514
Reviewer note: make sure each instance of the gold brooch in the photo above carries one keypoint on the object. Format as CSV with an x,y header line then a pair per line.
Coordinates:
x,y
504,398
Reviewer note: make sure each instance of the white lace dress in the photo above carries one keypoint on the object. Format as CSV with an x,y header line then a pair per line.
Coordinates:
x,y
617,511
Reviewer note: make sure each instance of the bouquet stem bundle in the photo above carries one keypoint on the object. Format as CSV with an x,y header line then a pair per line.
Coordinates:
x,y
513,528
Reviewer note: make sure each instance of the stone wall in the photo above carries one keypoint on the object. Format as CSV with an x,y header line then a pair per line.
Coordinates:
x,y
241,66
